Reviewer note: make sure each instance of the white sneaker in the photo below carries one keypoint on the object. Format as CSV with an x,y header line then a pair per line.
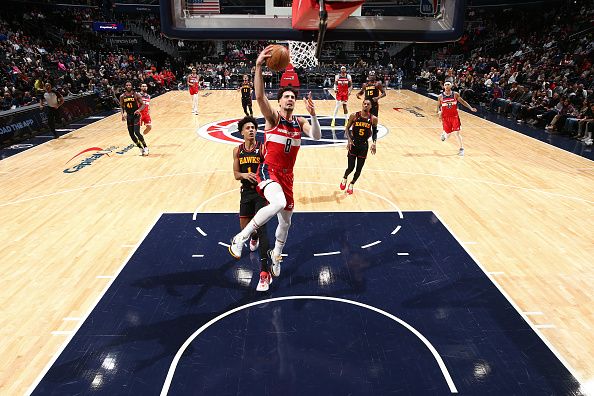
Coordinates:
x,y
275,263
254,244
461,152
141,150
145,151
236,247
265,281
443,136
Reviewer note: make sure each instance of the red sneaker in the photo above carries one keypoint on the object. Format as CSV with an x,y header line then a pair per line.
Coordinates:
x,y
350,189
343,184
265,281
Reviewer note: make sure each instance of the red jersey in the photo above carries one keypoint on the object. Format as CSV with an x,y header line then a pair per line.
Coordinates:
x,y
193,84
342,84
146,99
449,105
282,143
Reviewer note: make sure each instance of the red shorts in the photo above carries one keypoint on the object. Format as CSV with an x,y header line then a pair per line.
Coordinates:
x,y
267,173
342,97
451,124
193,90
145,119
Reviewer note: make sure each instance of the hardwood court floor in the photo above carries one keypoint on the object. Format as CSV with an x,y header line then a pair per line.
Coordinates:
x,y
523,208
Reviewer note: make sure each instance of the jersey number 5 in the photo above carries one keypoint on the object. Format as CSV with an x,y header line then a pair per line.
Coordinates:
x,y
288,146
361,132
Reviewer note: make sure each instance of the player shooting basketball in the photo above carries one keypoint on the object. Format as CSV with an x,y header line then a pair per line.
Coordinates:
x,y
275,175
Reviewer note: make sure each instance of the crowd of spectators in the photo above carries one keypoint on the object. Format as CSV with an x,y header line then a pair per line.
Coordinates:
x,y
72,61
541,75
531,69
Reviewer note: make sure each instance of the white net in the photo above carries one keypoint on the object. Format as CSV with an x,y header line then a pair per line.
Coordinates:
x,y
303,53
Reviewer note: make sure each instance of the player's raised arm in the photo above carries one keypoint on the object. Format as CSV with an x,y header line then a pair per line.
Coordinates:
x,y
314,130
267,112
465,103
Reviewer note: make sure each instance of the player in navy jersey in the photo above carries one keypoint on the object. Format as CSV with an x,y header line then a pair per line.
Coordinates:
x,y
361,126
275,174
246,159
246,96
374,91
132,105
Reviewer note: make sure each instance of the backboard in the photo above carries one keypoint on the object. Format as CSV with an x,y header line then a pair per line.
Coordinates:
x,y
413,21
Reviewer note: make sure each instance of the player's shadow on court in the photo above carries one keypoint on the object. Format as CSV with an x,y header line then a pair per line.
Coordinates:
x,y
204,280
431,154
349,269
334,197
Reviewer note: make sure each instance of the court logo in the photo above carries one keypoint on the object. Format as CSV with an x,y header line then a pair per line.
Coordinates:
x,y
413,110
98,153
225,131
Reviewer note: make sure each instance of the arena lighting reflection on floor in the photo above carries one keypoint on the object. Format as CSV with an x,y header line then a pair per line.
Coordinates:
x,y
335,321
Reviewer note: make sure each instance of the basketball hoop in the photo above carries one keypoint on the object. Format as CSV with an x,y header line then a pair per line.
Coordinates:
x,y
303,53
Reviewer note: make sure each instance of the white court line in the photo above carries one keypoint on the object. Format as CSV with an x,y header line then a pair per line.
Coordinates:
x,y
396,230
223,244
370,244
59,352
402,254
284,254
65,130
95,117
200,230
197,255
60,332
325,254
72,319
496,273
533,313
45,136
105,277
513,304
420,336
545,326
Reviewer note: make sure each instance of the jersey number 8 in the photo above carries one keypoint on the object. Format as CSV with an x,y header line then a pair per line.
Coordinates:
x,y
288,146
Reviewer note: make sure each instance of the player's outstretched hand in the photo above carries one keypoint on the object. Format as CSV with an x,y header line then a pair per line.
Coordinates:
x,y
309,104
473,109
264,55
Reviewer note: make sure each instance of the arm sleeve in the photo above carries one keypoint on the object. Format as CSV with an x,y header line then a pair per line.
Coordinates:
x,y
374,133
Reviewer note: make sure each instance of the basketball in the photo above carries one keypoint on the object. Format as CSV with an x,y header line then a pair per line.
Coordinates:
x,y
280,58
